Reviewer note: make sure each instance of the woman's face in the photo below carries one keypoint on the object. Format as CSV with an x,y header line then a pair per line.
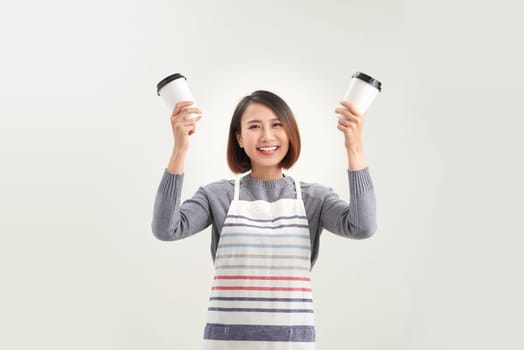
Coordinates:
x,y
263,138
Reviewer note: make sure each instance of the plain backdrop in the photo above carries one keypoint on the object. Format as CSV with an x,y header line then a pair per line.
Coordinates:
x,y
84,142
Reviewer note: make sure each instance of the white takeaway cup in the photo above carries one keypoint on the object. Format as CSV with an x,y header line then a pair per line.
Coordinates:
x,y
174,89
361,91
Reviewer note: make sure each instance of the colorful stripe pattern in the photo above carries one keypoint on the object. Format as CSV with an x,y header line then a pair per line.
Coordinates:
x,y
261,292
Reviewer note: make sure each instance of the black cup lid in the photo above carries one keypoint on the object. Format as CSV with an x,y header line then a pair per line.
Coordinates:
x,y
167,80
368,79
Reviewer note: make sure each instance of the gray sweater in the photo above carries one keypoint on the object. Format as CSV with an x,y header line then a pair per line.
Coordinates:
x,y
324,208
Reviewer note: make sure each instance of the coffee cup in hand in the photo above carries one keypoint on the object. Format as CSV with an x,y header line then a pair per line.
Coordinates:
x,y
174,89
361,91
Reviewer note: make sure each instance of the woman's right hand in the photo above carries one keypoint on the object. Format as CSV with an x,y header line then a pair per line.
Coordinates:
x,y
182,128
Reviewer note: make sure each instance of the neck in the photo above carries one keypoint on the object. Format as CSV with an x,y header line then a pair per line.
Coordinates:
x,y
266,174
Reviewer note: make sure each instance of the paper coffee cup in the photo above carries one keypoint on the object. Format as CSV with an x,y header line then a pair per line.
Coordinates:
x,y
361,91
174,89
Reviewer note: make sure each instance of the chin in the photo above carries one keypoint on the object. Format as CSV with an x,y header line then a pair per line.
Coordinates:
x,y
271,164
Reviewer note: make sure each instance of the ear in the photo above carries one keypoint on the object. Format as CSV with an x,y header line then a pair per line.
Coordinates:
x,y
239,139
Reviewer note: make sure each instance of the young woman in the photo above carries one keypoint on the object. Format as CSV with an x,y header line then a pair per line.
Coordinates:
x,y
266,225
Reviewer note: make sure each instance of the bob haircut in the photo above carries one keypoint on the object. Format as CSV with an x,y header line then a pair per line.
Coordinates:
x,y
237,159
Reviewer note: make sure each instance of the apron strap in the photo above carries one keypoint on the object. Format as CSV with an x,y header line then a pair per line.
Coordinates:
x,y
299,190
236,195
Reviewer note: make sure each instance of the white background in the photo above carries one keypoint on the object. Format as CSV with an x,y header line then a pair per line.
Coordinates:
x,y
84,141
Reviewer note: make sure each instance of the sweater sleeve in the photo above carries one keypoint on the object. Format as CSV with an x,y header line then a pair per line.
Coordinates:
x,y
358,218
172,220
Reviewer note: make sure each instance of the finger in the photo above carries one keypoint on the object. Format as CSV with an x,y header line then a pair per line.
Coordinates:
x,y
351,107
180,121
354,119
180,105
187,111
348,115
194,109
184,115
343,111
188,122
341,128
349,125
344,122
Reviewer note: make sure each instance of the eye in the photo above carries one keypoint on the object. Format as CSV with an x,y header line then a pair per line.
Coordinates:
x,y
278,124
253,126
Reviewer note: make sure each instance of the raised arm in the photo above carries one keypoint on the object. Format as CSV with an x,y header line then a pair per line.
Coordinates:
x,y
358,218
171,220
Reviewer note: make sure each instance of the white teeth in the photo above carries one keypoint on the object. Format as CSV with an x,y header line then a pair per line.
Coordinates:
x,y
267,149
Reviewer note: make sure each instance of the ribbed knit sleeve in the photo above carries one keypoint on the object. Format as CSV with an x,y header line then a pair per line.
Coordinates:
x,y
356,219
359,182
173,220
362,206
171,185
166,211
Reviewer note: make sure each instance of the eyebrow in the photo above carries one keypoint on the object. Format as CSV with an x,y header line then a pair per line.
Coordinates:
x,y
258,121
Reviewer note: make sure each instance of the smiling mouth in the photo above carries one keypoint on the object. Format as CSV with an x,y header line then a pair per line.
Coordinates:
x,y
268,150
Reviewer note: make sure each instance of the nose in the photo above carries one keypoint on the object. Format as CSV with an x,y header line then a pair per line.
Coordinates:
x,y
267,134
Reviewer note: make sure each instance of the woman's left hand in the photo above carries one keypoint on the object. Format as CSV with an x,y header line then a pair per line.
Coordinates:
x,y
351,125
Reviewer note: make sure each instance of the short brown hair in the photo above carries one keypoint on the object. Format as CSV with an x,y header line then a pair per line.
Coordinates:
x,y
237,159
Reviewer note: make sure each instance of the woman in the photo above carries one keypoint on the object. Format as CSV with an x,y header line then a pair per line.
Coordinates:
x,y
265,226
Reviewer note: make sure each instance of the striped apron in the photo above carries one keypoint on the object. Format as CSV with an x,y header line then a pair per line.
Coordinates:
x,y
261,297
